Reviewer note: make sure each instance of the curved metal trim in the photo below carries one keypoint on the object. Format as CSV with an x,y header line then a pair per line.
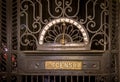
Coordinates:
x,y
67,20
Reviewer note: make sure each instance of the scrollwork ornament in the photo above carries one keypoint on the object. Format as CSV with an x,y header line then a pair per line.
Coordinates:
x,y
36,27
57,9
23,13
24,4
69,9
102,41
91,27
44,21
83,21
63,9
28,39
104,5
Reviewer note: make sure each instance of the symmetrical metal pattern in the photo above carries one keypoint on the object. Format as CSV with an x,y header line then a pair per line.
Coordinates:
x,y
64,33
93,23
92,14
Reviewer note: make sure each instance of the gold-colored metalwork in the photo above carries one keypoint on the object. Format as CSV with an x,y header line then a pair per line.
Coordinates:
x,y
63,38
64,65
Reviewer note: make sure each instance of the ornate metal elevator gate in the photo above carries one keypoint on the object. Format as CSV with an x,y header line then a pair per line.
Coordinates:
x,y
59,40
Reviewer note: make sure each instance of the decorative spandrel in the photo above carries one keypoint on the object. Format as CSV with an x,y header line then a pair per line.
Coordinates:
x,y
38,16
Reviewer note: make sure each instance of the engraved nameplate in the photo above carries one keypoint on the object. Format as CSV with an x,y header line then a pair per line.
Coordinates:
x,y
64,65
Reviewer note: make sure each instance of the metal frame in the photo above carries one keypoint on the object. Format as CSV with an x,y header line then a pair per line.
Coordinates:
x,y
12,27
119,38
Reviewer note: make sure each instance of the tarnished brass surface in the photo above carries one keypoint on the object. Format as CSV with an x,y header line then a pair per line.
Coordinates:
x,y
65,65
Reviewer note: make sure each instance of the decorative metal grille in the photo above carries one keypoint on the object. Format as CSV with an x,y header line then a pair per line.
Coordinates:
x,y
36,14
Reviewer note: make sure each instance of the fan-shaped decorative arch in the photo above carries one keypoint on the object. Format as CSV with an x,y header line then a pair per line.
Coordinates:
x,y
64,32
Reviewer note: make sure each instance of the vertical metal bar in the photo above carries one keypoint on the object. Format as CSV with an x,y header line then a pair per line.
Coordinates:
x,y
0,26
31,78
37,78
95,78
18,24
0,18
104,22
110,23
119,39
18,29
54,78
117,64
83,78
77,78
48,78
19,78
60,78
43,78
26,78
65,78
71,78
9,27
89,78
